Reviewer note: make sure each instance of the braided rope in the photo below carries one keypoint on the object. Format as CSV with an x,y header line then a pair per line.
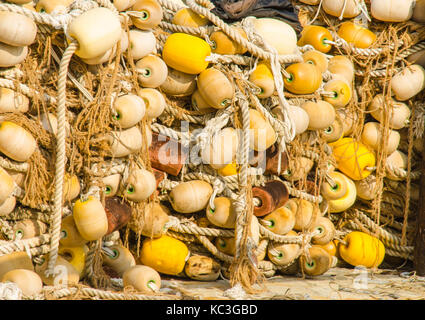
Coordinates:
x,y
36,243
9,164
213,249
60,292
60,156
10,84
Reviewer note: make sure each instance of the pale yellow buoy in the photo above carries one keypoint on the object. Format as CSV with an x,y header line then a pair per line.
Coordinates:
x,y
119,258
16,142
28,281
140,184
190,196
128,110
90,218
142,278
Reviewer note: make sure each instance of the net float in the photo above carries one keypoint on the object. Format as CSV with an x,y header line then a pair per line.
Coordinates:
x,y
128,110
277,34
7,206
112,184
356,35
298,168
215,88
123,5
118,213
90,218
16,142
316,58
224,213
326,230
155,217
222,148
119,259
202,268
6,185
140,184
179,84
166,255
188,18
318,263
167,154
341,90
418,14
28,281
154,102
298,115
111,53
397,160
408,82
392,10
152,71
15,260
347,200
399,112
337,190
353,158
125,142
341,67
199,103
65,273
186,53
53,6
190,196
262,77
346,8
372,137
96,30
222,44
149,14
304,78
321,114
272,160
316,36
261,133
76,256
362,249
365,188
273,195
16,29
28,228
142,278
11,55
70,236
305,212
281,220
334,132
283,254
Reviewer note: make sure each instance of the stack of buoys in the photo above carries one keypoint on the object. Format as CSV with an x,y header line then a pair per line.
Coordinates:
x,y
155,104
